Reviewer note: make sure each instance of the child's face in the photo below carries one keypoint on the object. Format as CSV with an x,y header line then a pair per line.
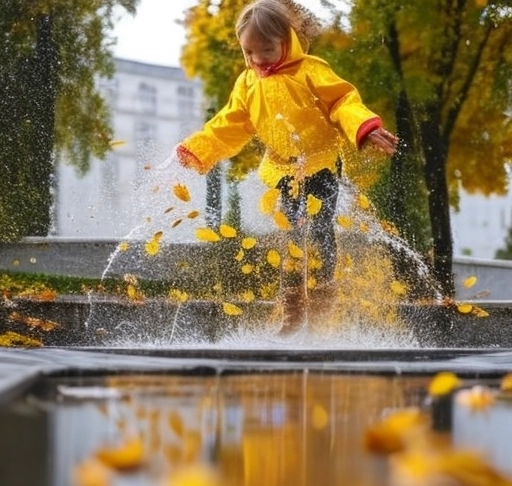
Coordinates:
x,y
260,53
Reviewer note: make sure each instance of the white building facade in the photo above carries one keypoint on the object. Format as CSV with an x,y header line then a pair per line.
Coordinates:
x,y
153,108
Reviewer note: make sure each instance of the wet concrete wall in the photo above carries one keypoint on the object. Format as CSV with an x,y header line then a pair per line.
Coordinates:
x,y
89,258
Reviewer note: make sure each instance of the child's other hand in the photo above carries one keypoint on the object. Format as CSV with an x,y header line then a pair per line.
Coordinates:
x,y
383,140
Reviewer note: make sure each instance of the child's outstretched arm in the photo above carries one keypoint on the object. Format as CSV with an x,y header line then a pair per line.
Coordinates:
x,y
383,140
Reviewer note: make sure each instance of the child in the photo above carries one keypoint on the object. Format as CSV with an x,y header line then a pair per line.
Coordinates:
x,y
303,113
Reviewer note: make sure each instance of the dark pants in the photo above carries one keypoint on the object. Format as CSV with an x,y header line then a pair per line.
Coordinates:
x,y
317,229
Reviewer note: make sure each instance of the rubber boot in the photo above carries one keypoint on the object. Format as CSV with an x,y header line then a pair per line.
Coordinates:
x,y
294,310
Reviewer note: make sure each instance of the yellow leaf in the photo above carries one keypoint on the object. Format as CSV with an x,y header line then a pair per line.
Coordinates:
x,y
248,243
128,455
176,222
152,247
465,308
344,221
273,258
282,221
398,288
168,210
479,312
176,424
240,256
92,472
158,236
506,383
231,309
313,205
131,291
181,192
117,143
207,234
227,231
477,398
295,251
269,200
178,296
470,282
123,246
364,202
247,296
193,214
319,417
443,383
247,269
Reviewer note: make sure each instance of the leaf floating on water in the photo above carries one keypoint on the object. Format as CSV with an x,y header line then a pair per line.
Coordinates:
x,y
126,456
364,202
207,234
181,192
273,258
344,221
443,383
92,472
269,200
282,221
319,417
193,214
248,243
231,309
295,251
506,383
470,282
313,205
476,398
176,222
227,231
168,210
390,434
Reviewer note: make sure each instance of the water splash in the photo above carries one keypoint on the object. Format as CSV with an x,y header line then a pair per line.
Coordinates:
x,y
173,290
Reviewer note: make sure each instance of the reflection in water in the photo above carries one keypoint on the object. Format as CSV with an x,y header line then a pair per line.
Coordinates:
x,y
265,429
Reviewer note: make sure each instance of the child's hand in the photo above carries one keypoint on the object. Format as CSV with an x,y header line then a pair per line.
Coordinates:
x,y
382,140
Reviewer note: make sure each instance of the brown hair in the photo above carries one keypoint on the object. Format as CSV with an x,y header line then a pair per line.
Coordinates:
x,y
273,19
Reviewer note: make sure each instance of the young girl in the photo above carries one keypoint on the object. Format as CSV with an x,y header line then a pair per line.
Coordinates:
x,y
303,113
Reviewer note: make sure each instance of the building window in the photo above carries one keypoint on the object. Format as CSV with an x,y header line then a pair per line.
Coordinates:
x,y
148,98
109,89
186,100
144,132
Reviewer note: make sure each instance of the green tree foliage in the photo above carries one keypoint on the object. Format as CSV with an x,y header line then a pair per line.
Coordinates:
x,y
505,253
51,52
443,69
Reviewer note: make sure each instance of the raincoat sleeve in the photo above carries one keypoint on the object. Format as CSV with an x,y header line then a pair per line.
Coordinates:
x,y
222,137
342,103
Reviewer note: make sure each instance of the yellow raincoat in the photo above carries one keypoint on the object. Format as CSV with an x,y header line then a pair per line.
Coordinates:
x,y
303,113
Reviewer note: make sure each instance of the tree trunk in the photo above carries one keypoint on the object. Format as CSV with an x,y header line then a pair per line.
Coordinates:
x,y
435,152
42,90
